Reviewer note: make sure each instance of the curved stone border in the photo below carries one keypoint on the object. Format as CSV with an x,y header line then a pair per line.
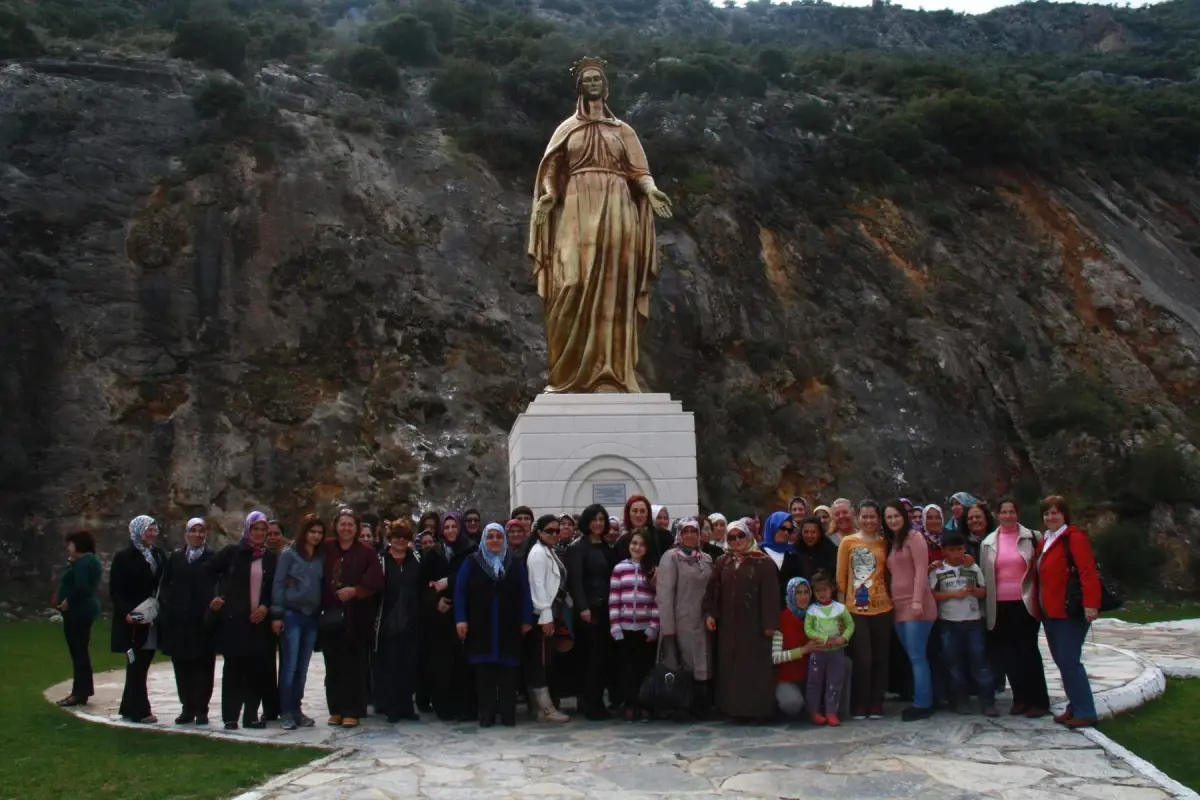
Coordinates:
x,y
280,781
1147,686
1141,766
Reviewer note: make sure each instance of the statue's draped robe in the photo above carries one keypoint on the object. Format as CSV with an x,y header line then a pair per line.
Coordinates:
x,y
594,256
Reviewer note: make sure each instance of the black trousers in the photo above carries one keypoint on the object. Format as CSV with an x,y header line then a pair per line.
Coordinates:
x,y
1014,639
634,656
345,675
194,683
135,700
79,636
496,688
394,669
537,656
870,649
453,690
595,642
245,681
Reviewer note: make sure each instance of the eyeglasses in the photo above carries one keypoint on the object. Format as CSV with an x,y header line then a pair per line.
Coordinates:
x,y
736,536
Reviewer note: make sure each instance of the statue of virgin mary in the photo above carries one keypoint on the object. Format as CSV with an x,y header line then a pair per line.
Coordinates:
x,y
592,242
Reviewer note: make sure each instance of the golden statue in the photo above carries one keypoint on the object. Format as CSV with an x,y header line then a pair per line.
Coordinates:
x,y
592,242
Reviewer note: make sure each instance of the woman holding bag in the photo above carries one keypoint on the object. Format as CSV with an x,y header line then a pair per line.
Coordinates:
x,y
680,584
547,579
132,580
1066,548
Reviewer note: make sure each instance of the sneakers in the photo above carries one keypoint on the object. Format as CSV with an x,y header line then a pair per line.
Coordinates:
x,y
288,724
859,714
875,712
305,722
914,714
832,721
817,719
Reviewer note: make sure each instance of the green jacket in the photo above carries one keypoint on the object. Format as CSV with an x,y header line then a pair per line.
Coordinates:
x,y
78,586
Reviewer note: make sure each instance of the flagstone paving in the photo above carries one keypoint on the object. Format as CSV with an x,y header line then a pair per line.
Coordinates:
x,y
949,757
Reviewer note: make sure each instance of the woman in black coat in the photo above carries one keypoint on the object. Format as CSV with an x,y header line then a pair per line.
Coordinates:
x,y
245,573
187,590
397,638
589,565
132,580
453,691
812,553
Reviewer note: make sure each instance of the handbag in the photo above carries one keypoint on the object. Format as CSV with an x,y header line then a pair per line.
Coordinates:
x,y
667,689
1110,598
333,620
148,609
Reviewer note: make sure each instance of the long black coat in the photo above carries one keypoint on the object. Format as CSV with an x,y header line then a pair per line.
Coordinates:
x,y
130,582
237,636
589,569
187,589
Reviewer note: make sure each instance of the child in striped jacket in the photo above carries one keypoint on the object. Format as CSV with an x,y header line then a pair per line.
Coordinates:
x,y
633,617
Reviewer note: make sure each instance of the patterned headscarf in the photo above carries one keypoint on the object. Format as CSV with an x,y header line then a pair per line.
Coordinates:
x,y
494,562
195,552
797,612
740,525
774,522
687,552
253,518
137,529
966,499
461,542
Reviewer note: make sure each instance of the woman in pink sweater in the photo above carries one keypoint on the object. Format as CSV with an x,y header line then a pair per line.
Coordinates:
x,y
916,610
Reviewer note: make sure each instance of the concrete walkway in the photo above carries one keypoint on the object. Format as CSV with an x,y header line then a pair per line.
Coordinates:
x,y
950,756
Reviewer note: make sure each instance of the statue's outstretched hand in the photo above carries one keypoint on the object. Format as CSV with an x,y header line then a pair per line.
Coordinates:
x,y
660,203
542,209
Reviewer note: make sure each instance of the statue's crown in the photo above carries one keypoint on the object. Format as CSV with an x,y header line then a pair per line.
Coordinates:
x,y
588,62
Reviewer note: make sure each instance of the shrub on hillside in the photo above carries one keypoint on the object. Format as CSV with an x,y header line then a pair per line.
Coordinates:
x,y
368,68
1076,404
463,87
217,98
410,41
17,40
1157,472
217,43
1124,556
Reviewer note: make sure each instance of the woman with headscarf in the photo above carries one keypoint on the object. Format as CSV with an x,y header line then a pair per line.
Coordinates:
x,y
778,533
706,539
825,514
350,584
547,591
589,564
245,577
445,661
790,648
680,586
394,668
932,527
959,503
661,516
492,611
187,591
720,528
742,603
133,579
295,608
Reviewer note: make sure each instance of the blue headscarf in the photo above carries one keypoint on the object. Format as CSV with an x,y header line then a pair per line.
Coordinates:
x,y
493,561
774,522
967,500
137,529
791,597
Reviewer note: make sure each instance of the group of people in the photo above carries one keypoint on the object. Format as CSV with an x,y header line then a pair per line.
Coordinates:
x,y
815,611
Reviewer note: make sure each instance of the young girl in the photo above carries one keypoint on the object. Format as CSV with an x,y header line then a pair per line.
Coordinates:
x,y
829,625
633,619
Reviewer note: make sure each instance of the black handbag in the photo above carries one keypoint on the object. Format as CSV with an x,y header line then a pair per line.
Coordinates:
x,y
332,620
665,689
1110,598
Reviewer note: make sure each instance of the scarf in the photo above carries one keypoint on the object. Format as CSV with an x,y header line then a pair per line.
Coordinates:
x,y
797,612
461,542
252,519
935,539
194,552
715,518
493,562
774,523
654,511
688,553
751,547
966,499
137,529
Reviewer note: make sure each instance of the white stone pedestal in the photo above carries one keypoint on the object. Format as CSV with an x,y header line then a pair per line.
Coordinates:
x,y
568,451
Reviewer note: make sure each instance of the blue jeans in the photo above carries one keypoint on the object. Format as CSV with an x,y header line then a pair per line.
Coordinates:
x,y
915,638
296,649
1065,637
964,654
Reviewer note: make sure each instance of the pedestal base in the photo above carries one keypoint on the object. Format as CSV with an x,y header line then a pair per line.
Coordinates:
x,y
568,451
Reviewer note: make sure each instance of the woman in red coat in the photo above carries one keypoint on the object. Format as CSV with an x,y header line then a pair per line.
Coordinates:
x,y
1066,628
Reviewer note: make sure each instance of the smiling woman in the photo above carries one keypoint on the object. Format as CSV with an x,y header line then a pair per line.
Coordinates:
x,y
108,762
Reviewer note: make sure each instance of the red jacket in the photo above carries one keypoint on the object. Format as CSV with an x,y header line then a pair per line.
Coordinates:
x,y
1054,570
794,636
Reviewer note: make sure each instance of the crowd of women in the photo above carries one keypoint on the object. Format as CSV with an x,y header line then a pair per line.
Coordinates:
x,y
817,611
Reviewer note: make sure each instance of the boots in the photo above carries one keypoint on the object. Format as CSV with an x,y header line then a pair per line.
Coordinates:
x,y
546,712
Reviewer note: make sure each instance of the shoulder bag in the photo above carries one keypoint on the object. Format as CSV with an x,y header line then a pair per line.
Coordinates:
x,y
1110,598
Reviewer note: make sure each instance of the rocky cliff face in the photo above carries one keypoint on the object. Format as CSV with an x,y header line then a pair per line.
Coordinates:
x,y
345,314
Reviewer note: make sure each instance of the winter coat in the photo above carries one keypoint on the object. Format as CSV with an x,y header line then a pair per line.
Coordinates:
x,y
680,585
744,600
131,582
187,590
237,636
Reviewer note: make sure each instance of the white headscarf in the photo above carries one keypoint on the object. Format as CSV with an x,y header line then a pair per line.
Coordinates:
x,y
195,552
137,529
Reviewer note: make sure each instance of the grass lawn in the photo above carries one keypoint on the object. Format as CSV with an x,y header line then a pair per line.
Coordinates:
x,y
1164,732
50,754
1136,610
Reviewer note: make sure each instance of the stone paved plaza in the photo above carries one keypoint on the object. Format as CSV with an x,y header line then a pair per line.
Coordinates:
x,y
950,756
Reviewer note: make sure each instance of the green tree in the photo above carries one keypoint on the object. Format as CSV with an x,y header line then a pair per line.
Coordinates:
x,y
463,87
216,43
368,68
410,41
17,40
773,63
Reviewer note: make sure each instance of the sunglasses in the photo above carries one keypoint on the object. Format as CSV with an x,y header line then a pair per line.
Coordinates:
x,y
549,529
736,536
788,528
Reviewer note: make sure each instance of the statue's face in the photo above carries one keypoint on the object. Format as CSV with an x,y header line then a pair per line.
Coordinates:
x,y
592,85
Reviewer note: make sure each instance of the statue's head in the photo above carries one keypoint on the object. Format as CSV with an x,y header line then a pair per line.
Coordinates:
x,y
590,81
